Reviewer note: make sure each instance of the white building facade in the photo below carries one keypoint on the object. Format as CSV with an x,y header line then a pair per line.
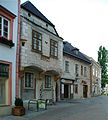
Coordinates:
x,y
8,53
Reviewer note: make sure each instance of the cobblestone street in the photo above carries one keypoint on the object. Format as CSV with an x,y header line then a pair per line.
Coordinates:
x,y
95,108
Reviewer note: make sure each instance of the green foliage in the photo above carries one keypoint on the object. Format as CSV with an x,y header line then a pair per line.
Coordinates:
x,y
102,59
18,102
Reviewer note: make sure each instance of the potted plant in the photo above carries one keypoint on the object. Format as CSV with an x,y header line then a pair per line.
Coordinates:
x,y
18,110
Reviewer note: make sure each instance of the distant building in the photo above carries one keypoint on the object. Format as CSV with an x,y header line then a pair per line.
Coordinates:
x,y
95,76
40,56
75,80
9,54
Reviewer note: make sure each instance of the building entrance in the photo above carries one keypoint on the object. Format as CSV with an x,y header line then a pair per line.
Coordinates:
x,y
66,91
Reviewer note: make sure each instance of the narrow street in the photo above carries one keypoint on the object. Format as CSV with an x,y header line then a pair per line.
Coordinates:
x,y
95,108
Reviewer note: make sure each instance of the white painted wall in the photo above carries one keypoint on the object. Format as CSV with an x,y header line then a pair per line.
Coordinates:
x,y
6,53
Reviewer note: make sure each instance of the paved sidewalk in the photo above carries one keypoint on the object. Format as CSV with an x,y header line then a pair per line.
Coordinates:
x,y
59,105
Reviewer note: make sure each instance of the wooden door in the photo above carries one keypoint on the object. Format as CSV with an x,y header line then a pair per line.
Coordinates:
x,y
85,91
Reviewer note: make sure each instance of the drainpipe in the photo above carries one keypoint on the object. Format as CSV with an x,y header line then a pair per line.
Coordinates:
x,y
91,80
17,50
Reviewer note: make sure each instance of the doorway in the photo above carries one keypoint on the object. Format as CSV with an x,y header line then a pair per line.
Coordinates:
x,y
2,92
66,90
85,91
56,91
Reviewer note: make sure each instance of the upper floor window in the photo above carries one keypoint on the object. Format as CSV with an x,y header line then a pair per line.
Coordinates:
x,y
66,66
28,80
76,69
81,70
47,81
93,71
36,41
85,71
4,27
96,73
54,48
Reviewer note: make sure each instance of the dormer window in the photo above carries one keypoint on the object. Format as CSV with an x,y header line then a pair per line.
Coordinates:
x,y
76,52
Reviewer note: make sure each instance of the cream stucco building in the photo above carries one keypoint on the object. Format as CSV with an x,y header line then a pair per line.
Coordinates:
x,y
40,56
75,80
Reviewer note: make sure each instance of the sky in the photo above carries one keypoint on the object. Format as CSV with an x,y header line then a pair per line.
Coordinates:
x,y
83,23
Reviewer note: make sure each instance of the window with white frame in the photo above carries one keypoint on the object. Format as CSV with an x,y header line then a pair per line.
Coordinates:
x,y
29,80
66,66
4,27
47,81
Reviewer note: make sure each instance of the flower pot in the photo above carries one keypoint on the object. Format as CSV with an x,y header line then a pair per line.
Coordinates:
x,y
18,111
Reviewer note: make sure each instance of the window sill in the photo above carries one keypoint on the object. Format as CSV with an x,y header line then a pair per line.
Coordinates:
x,y
54,57
6,42
47,89
28,88
4,105
67,72
36,51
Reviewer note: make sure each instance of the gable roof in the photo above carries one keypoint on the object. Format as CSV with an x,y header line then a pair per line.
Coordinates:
x,y
70,50
32,9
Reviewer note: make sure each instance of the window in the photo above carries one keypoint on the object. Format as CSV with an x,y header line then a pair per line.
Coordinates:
x,y
76,69
81,70
4,70
47,81
96,73
93,71
66,66
85,72
76,89
28,80
4,27
54,48
36,41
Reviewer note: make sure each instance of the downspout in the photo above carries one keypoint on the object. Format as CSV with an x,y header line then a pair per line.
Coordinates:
x,y
91,78
17,51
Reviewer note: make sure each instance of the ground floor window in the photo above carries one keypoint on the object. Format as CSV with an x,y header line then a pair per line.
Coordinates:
x,y
28,80
47,81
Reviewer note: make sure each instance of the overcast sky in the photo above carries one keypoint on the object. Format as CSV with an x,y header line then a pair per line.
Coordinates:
x,y
83,23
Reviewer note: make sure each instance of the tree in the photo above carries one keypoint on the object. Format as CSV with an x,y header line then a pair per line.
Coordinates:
x,y
102,59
